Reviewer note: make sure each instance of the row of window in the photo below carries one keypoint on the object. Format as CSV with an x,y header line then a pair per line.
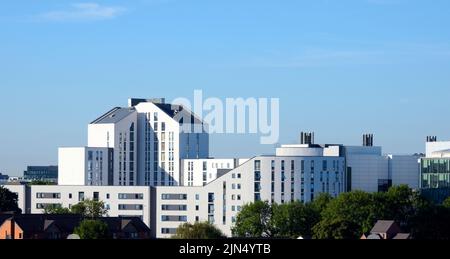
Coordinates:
x,y
121,196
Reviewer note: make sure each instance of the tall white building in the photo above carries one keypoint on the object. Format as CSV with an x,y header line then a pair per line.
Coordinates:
x,y
148,139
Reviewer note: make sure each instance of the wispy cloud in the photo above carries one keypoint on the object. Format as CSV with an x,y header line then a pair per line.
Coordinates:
x,y
80,12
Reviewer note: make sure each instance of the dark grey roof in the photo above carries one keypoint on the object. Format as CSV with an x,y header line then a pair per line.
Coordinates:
x,y
402,236
113,116
178,111
67,223
383,226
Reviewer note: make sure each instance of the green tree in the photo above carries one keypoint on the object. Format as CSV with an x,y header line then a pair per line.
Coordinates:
x,y
203,230
41,182
348,216
92,229
8,201
90,208
254,221
446,203
292,220
56,210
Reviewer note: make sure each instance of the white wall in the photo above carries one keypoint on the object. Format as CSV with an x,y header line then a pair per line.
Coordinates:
x,y
432,147
72,166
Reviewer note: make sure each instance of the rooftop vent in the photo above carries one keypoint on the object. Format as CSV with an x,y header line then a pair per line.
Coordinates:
x,y
307,138
368,140
431,139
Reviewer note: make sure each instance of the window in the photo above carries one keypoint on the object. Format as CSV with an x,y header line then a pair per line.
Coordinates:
x,y
163,126
257,197
197,208
197,197
166,218
70,196
131,207
257,165
174,196
107,196
239,176
174,207
44,195
169,231
131,196
81,196
324,165
95,196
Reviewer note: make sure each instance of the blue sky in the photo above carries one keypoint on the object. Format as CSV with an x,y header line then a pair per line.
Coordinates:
x,y
340,68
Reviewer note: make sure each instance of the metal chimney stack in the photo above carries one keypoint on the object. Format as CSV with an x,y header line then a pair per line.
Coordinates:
x,y
431,139
307,138
368,140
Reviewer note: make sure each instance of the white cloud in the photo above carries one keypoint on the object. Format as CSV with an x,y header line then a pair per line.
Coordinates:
x,y
84,12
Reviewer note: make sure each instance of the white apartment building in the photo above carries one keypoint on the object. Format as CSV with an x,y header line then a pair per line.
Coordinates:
x,y
121,201
148,140
295,173
199,172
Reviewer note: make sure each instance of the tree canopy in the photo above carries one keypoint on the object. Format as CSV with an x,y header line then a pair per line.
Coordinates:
x,y
92,229
199,230
8,201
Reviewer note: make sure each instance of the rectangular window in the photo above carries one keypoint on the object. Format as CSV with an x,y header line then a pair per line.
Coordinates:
x,y
131,207
131,196
44,195
174,196
166,218
174,207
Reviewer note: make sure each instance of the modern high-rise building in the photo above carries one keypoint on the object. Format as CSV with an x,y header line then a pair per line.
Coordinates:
x,y
147,139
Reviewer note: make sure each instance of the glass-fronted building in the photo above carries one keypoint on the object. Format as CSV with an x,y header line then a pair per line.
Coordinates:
x,y
435,178
45,173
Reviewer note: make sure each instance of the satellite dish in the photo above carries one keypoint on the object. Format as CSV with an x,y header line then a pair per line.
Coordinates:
x,y
73,236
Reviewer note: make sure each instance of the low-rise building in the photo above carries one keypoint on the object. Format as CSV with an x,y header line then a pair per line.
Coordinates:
x,y
46,226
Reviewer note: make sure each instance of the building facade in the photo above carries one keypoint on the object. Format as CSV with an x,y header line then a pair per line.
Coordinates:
x,y
435,170
44,173
147,139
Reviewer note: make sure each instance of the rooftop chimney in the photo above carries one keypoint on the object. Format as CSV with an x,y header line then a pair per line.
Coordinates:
x,y
431,139
368,140
307,138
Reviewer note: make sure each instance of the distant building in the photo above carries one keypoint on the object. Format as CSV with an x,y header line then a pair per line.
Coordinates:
x,y
435,170
3,178
384,230
44,173
41,226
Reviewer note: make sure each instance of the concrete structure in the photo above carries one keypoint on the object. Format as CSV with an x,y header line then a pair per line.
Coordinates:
x,y
86,166
44,173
